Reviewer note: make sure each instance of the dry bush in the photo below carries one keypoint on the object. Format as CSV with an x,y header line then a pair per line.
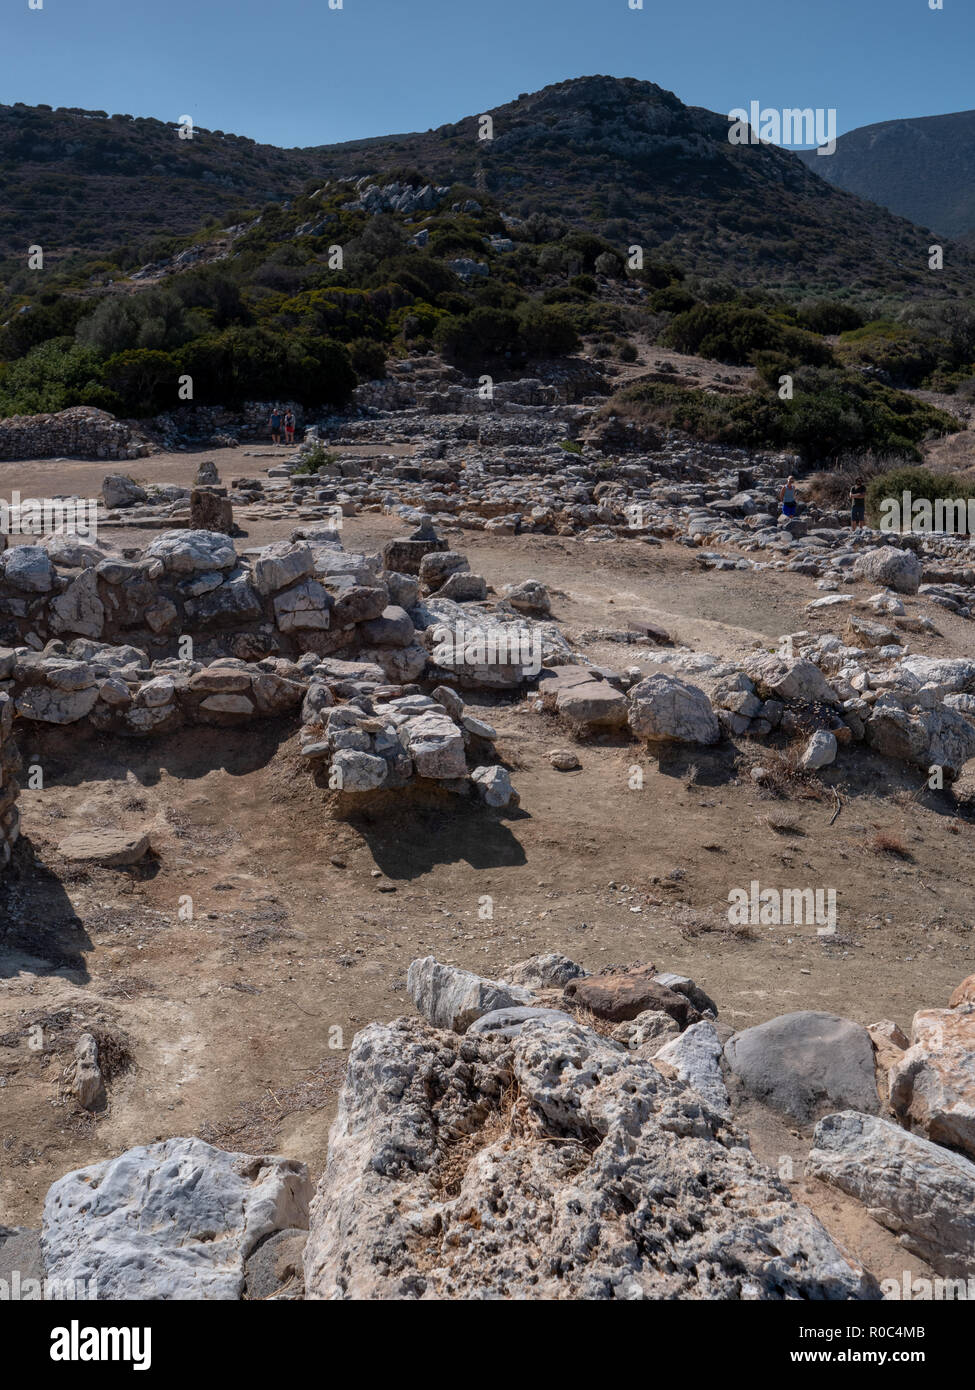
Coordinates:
x,y
115,1055
830,487
886,843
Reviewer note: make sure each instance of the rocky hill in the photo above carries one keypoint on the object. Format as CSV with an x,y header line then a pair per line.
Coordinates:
x,y
922,169
619,156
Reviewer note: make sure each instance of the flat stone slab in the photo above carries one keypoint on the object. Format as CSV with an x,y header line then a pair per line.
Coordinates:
x,y
113,849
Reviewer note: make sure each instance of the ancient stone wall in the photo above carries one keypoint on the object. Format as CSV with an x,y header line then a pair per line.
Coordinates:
x,y
81,432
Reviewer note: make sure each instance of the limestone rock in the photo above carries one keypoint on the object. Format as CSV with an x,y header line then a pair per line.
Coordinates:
x,y
696,1057
454,998
548,971
932,1086
920,1191
820,751
626,1185
171,1220
897,569
666,708
119,490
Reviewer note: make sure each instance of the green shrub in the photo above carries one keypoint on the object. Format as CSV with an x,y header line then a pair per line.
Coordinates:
x,y
727,332
368,359
923,485
828,316
316,459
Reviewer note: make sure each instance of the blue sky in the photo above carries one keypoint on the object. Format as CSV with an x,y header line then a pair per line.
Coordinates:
x,y
295,72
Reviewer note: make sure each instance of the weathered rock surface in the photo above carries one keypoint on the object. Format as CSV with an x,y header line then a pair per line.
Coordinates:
x,y
897,569
171,1220
664,708
453,998
696,1057
638,1190
804,1062
922,1192
932,1085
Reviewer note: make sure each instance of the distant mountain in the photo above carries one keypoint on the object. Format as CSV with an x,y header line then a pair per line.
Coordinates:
x,y
616,156
922,169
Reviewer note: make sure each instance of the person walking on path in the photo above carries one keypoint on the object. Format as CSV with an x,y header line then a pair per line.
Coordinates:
x,y
858,504
289,427
789,497
275,423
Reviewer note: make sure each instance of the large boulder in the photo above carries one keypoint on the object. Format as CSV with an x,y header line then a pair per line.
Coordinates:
x,y
192,552
173,1220
618,1184
118,490
896,569
932,1085
923,1193
453,998
790,678
802,1063
664,708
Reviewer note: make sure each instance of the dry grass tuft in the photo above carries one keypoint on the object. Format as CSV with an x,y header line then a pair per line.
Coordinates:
x,y
694,924
784,774
886,843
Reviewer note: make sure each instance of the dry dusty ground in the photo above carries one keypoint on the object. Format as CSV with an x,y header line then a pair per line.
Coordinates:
x,y
233,1022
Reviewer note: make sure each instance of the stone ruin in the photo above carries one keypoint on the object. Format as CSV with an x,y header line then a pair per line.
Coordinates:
x,y
79,432
189,632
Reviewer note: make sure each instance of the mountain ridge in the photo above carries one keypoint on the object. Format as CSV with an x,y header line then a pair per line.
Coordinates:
x,y
620,156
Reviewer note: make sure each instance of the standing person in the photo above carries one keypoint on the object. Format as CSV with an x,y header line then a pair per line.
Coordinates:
x,y
289,426
858,504
789,497
275,423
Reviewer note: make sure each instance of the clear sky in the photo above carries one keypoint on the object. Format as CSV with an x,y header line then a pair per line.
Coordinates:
x,y
296,72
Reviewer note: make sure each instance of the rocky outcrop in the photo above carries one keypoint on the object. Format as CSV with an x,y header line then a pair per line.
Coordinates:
x,y
605,1181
